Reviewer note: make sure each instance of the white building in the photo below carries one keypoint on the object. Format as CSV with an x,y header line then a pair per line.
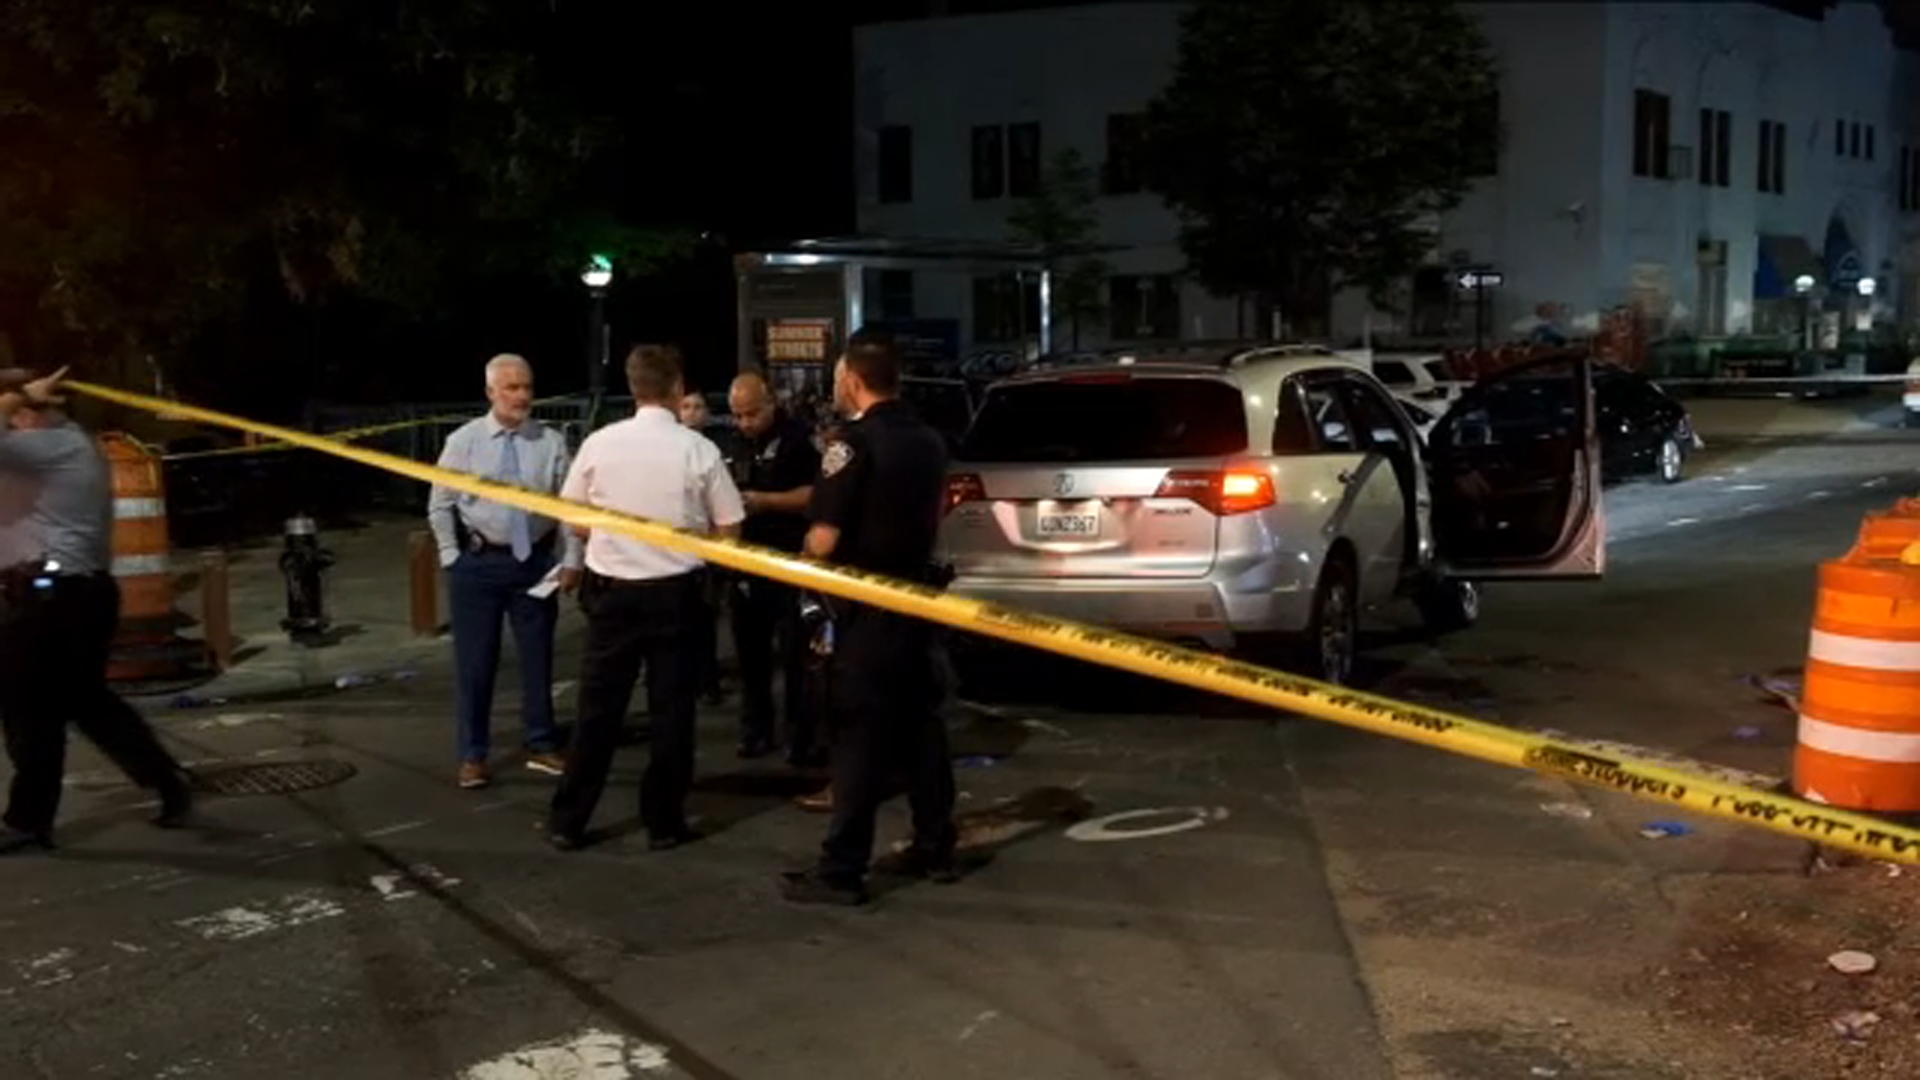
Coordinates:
x,y
1693,159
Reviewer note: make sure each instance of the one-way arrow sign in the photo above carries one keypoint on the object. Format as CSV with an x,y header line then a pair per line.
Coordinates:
x,y
1480,279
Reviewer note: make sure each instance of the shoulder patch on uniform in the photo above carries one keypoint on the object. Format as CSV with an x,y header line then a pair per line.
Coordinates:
x,y
838,456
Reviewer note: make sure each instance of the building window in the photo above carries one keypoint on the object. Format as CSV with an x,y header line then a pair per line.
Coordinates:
x,y
896,164
1652,130
1839,138
894,290
1145,307
1005,308
1773,158
1854,140
1121,176
1909,179
989,162
1716,146
1023,160
1869,142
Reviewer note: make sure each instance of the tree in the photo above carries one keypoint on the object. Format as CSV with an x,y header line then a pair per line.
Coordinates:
x,y
1061,220
1302,143
167,157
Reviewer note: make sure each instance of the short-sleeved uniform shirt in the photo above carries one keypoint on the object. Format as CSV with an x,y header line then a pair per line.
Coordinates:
x,y
882,484
781,459
650,467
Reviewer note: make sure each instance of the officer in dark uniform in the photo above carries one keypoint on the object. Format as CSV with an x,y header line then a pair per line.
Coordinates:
x,y
777,464
877,507
59,606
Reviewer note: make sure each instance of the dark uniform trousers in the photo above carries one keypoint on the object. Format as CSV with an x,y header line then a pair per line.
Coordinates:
x,y
54,645
885,701
767,637
631,624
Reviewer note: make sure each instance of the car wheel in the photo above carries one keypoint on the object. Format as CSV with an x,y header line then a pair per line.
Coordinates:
x,y
1913,417
1447,605
1327,650
1671,462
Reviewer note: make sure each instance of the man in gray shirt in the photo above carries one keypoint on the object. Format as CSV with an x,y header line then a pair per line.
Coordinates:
x,y
59,607
494,554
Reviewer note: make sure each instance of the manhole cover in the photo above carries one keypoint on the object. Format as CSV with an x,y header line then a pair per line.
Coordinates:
x,y
274,778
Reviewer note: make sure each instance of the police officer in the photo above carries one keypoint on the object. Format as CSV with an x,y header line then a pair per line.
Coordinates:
x,y
642,602
59,606
876,507
779,463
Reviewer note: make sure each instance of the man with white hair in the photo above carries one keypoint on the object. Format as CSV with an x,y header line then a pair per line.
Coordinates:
x,y
494,554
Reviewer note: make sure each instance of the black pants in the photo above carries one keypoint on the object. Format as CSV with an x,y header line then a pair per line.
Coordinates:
x,y
885,702
631,624
54,644
767,637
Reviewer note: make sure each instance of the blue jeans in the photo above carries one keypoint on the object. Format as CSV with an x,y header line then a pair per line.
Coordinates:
x,y
487,588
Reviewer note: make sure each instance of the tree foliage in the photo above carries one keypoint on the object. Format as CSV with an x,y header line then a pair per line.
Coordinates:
x,y
1061,219
1302,143
164,156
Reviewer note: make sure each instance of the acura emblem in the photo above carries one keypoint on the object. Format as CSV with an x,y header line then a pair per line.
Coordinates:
x,y
1063,484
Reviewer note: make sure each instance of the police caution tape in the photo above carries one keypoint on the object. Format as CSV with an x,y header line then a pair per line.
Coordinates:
x,y
345,435
1461,735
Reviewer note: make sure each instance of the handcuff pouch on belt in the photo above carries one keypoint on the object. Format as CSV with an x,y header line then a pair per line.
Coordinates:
x,y
820,614
22,583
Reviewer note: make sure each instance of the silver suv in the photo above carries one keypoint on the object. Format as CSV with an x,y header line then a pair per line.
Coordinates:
x,y
1263,496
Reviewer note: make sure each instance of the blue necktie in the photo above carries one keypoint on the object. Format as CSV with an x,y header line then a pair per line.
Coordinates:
x,y
519,527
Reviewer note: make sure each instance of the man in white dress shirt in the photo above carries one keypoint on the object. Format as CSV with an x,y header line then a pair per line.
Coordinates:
x,y
642,602
493,554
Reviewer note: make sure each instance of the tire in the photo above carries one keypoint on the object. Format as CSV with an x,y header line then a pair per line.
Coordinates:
x,y
1332,640
1670,462
1912,418
1447,605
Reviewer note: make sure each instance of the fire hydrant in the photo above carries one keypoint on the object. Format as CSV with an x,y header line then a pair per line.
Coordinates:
x,y
304,563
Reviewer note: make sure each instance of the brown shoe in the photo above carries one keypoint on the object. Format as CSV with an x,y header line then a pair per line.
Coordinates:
x,y
820,802
473,774
549,764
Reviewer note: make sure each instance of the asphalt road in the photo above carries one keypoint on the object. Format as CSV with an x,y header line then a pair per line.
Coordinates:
x,y
1307,902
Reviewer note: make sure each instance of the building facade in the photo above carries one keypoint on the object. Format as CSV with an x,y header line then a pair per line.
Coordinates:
x,y
1725,168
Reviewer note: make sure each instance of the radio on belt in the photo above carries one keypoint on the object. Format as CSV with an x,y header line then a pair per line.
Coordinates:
x,y
304,563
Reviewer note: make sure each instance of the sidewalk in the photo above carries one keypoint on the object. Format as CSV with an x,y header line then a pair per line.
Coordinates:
x,y
367,601
1742,419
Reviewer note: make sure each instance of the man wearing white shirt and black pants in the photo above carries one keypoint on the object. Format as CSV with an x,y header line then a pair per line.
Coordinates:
x,y
642,602
493,554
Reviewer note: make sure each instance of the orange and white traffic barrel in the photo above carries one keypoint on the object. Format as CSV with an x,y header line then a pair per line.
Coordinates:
x,y
1859,735
1884,534
147,644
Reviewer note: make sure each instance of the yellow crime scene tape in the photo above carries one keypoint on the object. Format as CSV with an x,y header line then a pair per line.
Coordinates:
x,y
343,435
1461,735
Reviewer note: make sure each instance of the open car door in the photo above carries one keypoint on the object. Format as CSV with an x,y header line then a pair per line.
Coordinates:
x,y
1515,472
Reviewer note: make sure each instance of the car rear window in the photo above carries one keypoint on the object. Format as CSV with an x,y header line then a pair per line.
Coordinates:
x,y
1117,418
1392,372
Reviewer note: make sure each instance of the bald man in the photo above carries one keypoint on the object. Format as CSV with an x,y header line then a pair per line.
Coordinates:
x,y
778,465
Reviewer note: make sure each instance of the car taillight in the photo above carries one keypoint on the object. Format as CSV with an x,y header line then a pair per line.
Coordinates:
x,y
1913,386
1223,491
964,488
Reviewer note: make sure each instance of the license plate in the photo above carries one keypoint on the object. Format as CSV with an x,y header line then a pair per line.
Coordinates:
x,y
1069,526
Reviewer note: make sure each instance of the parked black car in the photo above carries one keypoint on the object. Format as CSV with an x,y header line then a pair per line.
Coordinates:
x,y
1641,429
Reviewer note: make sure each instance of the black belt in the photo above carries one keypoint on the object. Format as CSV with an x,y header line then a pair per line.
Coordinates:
x,y
688,577
479,546
21,581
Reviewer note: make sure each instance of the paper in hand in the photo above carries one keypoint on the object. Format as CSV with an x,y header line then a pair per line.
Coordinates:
x,y
547,586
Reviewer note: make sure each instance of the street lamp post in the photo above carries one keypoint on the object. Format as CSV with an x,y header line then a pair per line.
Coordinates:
x,y
1803,287
596,276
